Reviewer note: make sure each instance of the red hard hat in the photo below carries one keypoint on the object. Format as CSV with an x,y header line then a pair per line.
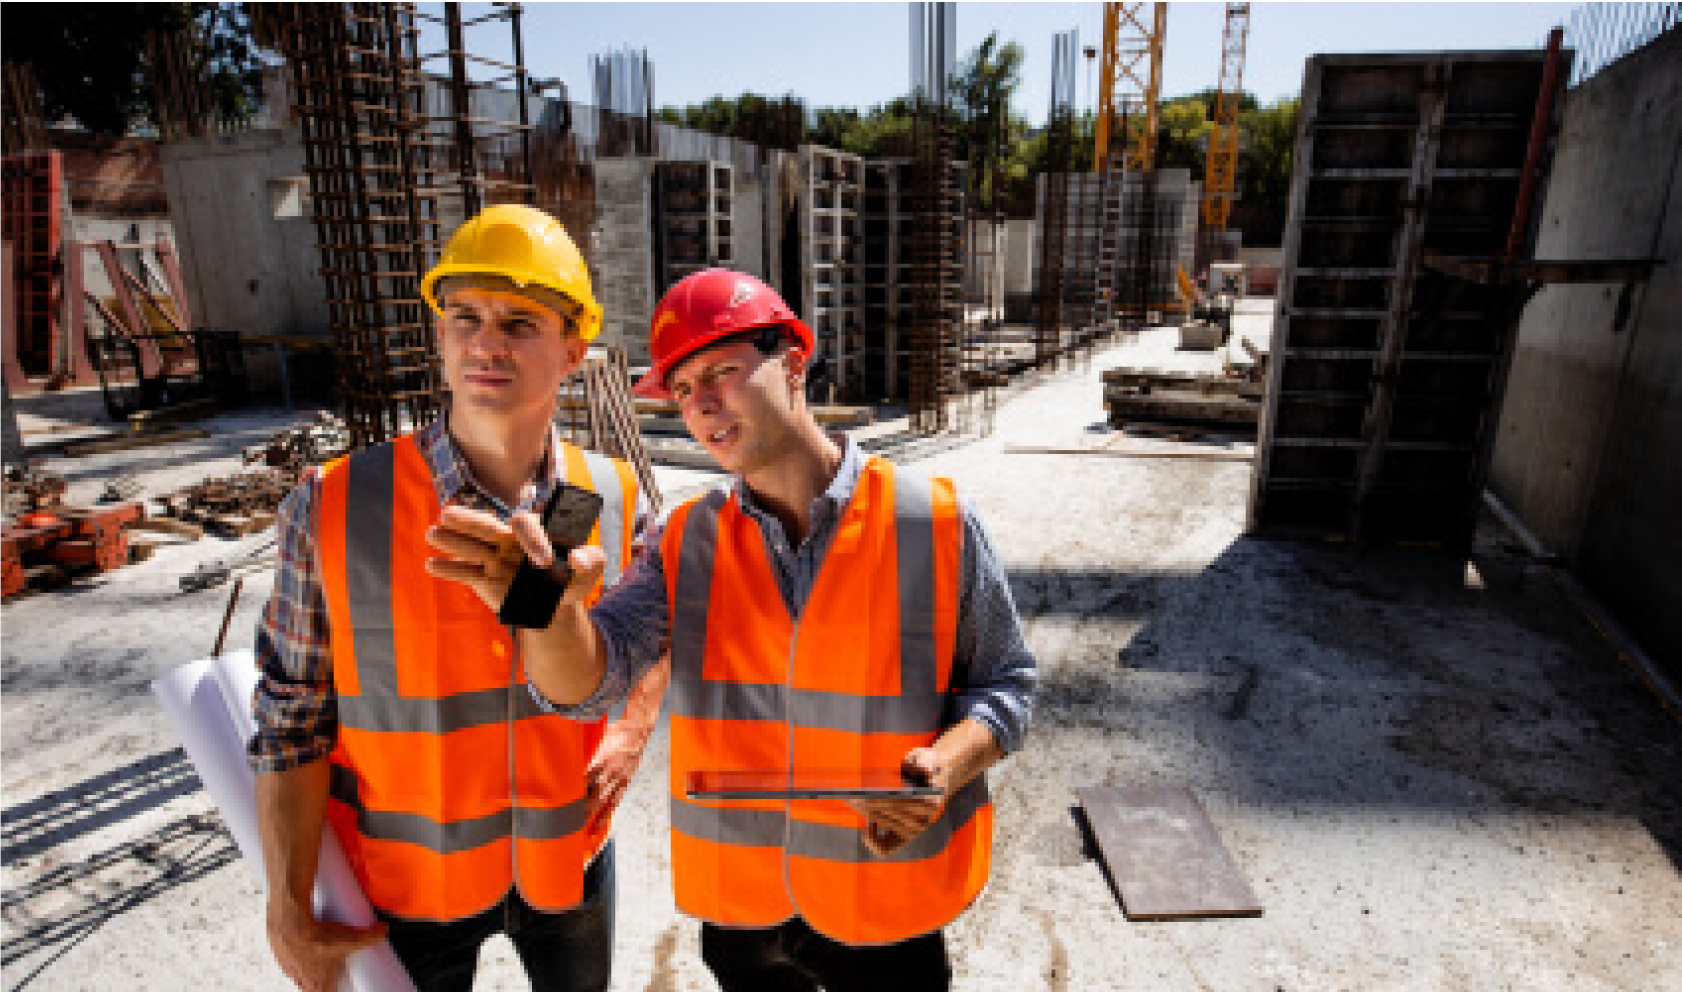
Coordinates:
x,y
700,309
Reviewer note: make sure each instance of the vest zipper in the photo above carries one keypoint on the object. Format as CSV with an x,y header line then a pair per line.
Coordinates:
x,y
788,719
513,786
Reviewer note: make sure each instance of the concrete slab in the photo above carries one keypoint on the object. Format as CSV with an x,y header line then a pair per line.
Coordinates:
x,y
1433,776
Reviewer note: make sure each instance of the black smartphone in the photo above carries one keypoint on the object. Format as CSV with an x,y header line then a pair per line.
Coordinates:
x,y
535,592
568,517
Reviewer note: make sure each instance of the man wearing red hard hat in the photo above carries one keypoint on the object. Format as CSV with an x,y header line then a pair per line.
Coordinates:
x,y
827,612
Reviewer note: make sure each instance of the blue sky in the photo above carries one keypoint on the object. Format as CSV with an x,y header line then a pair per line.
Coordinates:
x,y
856,54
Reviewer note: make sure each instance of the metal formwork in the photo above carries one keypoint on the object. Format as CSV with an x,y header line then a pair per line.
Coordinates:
x,y
832,291
1385,375
886,275
1123,238
694,211
32,208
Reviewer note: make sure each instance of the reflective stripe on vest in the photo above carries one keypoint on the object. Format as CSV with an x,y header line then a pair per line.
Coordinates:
x,y
860,680
449,784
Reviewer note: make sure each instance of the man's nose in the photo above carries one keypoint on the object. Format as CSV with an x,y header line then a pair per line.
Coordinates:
x,y
488,339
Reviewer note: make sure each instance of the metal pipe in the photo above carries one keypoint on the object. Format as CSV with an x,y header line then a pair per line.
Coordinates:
x,y
1539,126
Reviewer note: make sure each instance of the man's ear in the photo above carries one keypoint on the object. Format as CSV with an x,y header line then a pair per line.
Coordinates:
x,y
797,363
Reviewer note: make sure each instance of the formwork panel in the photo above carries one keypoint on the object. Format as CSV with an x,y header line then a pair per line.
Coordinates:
x,y
1337,332
1335,247
1355,92
32,203
831,195
1382,378
694,207
1352,201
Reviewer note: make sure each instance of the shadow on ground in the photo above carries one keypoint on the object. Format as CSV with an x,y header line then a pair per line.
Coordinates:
x,y
69,897
1322,676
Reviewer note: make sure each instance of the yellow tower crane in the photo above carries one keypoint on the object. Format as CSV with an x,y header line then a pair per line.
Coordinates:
x,y
1130,82
1220,178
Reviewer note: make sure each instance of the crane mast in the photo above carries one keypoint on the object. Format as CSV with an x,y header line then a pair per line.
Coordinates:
x,y
1130,85
1220,180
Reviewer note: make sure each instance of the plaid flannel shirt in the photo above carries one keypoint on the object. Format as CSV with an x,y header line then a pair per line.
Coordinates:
x,y
295,707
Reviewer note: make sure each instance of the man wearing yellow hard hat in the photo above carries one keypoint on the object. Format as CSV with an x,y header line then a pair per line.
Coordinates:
x,y
392,705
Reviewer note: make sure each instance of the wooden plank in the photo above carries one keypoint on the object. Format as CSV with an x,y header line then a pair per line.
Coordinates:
x,y
190,410
1214,455
135,441
1157,407
1163,855
169,525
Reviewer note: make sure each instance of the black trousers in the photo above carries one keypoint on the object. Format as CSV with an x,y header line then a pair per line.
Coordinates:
x,y
571,951
792,957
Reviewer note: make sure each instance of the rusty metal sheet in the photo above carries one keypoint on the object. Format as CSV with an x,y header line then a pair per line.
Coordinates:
x,y
1163,855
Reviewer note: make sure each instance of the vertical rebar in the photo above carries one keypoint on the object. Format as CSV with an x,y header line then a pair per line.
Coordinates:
x,y
936,346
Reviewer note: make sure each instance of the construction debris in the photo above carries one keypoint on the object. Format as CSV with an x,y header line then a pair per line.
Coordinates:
x,y
28,487
1135,395
46,548
214,573
233,505
121,488
297,448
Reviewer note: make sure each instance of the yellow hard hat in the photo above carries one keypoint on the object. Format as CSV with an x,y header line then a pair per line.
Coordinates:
x,y
527,247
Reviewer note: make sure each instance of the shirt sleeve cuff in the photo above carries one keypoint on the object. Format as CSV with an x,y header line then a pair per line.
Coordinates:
x,y
266,757
597,704
1006,732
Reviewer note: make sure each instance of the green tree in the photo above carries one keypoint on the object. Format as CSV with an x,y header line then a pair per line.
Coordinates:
x,y
1264,170
981,93
1182,136
89,60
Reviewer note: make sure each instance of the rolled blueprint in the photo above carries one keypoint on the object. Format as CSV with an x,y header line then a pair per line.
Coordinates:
x,y
209,704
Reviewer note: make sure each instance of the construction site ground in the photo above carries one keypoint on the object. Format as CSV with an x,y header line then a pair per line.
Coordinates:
x,y
1435,774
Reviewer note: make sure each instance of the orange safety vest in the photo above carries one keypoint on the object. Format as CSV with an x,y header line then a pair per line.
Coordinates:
x,y
858,679
449,784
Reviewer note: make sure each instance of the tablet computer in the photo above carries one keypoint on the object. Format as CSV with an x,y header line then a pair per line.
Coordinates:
x,y
803,784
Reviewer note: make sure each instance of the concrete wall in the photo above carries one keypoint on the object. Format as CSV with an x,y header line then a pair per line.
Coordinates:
x,y
624,253
747,223
1263,256
239,206
1020,256
1591,428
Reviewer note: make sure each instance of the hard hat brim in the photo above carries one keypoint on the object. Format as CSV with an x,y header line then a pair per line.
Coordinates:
x,y
652,385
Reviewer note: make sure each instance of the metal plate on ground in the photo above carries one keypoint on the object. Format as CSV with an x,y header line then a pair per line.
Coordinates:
x,y
1163,854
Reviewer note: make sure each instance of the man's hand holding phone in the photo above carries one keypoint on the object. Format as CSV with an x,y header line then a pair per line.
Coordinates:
x,y
522,569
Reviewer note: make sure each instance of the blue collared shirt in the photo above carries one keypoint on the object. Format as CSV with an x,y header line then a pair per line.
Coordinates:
x,y
996,673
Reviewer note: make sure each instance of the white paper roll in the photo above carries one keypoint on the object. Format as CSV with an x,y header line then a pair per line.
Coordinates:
x,y
209,703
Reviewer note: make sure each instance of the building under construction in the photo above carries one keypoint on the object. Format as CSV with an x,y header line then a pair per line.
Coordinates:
x,y
1346,547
